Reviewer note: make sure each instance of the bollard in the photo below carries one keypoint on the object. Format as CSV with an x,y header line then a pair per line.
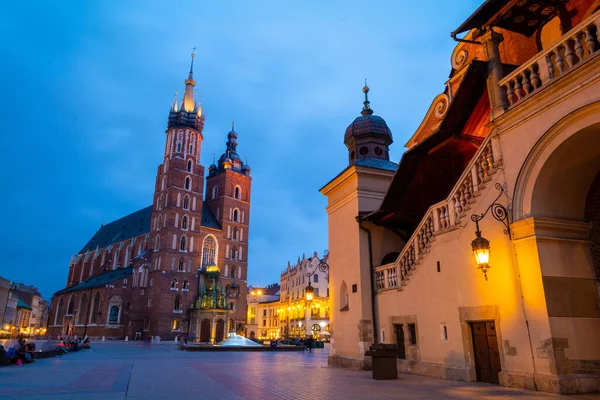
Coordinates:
x,y
127,338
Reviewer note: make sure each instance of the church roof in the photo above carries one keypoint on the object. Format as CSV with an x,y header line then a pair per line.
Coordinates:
x,y
365,124
208,218
134,224
99,280
22,304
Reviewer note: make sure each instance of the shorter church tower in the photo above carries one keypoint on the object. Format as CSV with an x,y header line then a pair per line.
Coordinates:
x,y
228,195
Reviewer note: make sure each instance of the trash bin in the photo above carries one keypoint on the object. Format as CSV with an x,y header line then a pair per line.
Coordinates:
x,y
384,363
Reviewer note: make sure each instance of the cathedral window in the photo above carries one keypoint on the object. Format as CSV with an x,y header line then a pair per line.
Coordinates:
x,y
82,309
179,147
189,165
177,305
70,306
209,251
58,317
174,283
186,285
183,243
236,215
175,324
233,272
234,252
215,192
238,192
186,202
95,309
191,149
181,267
184,223
163,185
188,183
157,242
235,233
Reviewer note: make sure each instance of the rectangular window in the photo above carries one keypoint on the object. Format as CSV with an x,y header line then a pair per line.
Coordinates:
x,y
264,322
317,292
264,313
316,278
399,332
354,288
412,330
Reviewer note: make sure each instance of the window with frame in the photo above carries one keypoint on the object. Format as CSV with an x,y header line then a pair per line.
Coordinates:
x,y
238,192
234,253
412,334
175,324
174,283
183,243
236,215
209,251
316,278
181,266
177,306
189,166
186,285
113,315
186,202
188,183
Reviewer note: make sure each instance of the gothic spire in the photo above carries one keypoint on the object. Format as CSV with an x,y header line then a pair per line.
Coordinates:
x,y
189,102
174,107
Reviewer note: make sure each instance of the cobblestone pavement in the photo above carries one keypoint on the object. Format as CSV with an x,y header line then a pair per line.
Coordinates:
x,y
131,371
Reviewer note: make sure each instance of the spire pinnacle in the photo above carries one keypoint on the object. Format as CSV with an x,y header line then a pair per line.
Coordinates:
x,y
174,107
189,103
366,108
233,125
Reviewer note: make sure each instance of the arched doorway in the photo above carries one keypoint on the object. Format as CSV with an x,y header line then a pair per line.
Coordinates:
x,y
205,330
220,331
556,214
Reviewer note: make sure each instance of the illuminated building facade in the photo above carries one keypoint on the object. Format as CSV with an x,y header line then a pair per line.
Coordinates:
x,y
157,271
505,163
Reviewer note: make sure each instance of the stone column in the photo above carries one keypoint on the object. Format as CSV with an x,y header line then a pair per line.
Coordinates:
x,y
213,329
498,104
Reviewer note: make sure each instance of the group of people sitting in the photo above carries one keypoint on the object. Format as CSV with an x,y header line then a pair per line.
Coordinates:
x,y
22,353
69,344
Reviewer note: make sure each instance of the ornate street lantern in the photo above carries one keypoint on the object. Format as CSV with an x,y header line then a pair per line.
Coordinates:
x,y
309,292
481,251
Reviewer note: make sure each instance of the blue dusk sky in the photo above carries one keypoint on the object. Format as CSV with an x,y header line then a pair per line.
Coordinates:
x,y
87,85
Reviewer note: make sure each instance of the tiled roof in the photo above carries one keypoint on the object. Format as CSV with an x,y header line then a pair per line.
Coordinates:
x,y
99,280
134,224
376,163
208,218
367,124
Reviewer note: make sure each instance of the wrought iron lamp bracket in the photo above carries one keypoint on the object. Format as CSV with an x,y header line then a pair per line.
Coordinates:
x,y
499,212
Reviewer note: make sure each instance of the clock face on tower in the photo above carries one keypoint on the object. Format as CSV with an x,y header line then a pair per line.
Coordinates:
x,y
378,150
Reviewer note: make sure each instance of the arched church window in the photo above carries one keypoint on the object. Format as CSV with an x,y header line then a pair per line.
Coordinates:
x,y
232,272
184,223
95,308
191,149
235,233
173,283
209,251
238,192
236,215
181,266
188,183
234,253
156,242
186,285
179,147
215,192
164,183
70,306
58,316
186,202
189,166
183,243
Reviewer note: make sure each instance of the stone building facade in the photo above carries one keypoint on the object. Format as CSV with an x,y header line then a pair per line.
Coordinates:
x,y
142,274
505,165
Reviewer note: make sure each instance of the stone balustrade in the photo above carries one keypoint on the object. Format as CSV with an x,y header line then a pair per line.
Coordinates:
x,y
574,48
441,217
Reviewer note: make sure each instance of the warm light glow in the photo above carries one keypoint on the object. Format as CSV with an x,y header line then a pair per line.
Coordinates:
x,y
259,292
309,296
212,268
482,256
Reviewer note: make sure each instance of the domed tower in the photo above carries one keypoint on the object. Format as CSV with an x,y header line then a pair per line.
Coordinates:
x,y
368,136
228,195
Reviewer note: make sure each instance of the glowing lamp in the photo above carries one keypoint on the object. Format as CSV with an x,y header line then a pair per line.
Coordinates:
x,y
212,268
481,251
309,292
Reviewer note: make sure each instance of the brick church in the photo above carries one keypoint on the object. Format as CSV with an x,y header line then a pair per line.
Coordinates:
x,y
178,266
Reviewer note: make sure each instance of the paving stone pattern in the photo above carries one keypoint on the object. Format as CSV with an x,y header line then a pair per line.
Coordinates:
x,y
132,371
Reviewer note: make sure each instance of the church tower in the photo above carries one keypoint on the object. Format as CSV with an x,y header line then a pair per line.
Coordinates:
x,y
171,279
368,136
228,195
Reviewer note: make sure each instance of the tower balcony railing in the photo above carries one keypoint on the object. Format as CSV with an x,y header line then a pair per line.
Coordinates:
x,y
442,217
573,49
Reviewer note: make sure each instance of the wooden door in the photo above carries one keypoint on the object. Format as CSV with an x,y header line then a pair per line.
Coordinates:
x,y
205,330
487,356
399,331
220,333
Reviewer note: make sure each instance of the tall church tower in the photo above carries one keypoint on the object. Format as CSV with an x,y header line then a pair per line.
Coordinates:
x,y
171,279
228,196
